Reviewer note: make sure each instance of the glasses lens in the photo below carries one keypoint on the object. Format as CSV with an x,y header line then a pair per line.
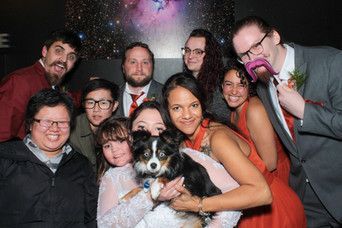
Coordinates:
x,y
257,49
63,124
89,103
198,52
104,104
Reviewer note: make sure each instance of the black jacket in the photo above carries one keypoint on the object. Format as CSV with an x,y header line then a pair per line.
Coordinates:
x,y
31,195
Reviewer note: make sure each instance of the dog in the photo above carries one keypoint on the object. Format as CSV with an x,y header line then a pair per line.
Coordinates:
x,y
158,157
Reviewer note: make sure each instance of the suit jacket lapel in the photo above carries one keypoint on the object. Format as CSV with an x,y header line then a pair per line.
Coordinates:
x,y
265,96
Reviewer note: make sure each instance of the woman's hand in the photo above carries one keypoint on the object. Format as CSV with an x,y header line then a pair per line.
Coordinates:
x,y
185,202
169,191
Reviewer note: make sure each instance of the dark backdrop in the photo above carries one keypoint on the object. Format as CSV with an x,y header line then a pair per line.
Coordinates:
x,y
28,22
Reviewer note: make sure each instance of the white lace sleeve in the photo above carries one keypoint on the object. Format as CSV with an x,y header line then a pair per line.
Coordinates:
x,y
115,213
225,219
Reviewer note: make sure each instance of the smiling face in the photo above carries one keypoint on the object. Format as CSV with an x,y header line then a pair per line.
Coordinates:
x,y
97,115
50,139
248,36
149,120
185,111
234,91
117,153
138,67
192,61
58,60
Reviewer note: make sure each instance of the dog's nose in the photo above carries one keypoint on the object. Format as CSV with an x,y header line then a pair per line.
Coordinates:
x,y
153,165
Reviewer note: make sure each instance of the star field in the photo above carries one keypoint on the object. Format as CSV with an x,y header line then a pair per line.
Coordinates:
x,y
107,26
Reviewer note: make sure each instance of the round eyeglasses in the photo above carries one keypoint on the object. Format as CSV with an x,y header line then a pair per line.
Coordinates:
x,y
256,49
196,52
103,104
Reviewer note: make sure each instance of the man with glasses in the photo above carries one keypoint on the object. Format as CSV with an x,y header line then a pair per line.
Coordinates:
x,y
137,68
99,100
59,55
314,136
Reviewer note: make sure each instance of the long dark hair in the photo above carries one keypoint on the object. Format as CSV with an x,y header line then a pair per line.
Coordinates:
x,y
212,65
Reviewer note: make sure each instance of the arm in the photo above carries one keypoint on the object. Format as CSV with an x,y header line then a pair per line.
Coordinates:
x,y
111,212
253,190
14,96
325,120
90,194
262,133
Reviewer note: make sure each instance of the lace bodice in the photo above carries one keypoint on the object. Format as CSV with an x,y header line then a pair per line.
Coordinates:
x,y
138,212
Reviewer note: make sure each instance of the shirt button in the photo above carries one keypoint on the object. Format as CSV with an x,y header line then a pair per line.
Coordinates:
x,y
307,180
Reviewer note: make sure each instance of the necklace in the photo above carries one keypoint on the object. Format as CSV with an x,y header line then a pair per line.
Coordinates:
x,y
199,137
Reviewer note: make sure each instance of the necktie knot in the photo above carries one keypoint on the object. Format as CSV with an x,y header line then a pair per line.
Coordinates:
x,y
134,104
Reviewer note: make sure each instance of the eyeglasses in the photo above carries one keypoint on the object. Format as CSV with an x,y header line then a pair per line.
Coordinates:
x,y
103,104
196,52
256,49
49,123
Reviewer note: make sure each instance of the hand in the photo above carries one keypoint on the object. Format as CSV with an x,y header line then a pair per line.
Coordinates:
x,y
170,189
291,100
185,202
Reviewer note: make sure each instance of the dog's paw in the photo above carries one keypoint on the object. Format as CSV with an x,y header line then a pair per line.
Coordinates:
x,y
155,189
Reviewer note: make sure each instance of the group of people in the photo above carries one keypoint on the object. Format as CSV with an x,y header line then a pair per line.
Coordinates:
x,y
270,144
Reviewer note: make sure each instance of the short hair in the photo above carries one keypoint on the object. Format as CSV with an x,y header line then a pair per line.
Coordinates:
x,y
47,98
66,37
189,82
254,20
212,65
100,83
150,105
111,129
138,44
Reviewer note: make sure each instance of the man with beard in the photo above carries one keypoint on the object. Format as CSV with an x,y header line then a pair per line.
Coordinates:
x,y
137,68
59,55
310,126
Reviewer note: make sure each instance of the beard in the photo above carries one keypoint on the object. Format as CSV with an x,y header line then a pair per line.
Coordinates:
x,y
263,75
53,78
134,83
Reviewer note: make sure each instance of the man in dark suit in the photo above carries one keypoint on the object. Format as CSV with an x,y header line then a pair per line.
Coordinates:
x,y
137,67
314,138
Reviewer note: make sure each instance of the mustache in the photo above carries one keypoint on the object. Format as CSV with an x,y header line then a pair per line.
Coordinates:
x,y
58,62
256,63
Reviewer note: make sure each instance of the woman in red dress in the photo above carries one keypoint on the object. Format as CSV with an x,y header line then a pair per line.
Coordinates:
x,y
250,117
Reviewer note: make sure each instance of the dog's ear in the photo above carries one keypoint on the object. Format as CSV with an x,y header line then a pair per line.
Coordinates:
x,y
140,136
172,137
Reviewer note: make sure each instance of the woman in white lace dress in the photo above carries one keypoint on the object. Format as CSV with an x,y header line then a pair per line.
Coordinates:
x,y
113,211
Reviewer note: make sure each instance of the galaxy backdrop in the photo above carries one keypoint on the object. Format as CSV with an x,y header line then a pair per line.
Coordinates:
x,y
107,26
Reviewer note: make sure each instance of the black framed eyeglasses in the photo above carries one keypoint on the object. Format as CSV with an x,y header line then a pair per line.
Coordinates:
x,y
103,104
49,123
256,49
196,52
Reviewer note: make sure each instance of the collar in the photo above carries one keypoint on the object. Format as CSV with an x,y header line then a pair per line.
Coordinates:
x,y
289,64
53,162
145,88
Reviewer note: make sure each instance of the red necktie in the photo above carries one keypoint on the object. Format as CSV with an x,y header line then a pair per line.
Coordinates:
x,y
290,122
134,104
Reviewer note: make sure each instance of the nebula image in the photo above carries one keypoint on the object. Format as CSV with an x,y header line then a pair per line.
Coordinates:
x,y
106,27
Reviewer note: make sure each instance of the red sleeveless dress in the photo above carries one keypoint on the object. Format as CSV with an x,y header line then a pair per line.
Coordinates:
x,y
286,209
283,161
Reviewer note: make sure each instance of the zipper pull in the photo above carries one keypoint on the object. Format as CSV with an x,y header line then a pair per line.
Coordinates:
x,y
53,182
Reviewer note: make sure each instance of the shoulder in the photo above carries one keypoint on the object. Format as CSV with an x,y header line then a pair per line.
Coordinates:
x,y
320,52
156,84
256,110
14,150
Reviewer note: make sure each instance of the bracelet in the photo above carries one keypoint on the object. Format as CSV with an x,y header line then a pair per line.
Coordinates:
x,y
200,208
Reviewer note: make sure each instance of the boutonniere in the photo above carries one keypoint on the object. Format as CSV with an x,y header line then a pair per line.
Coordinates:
x,y
296,80
151,98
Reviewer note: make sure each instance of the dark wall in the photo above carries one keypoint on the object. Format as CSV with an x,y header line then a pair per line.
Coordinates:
x,y
28,22
308,22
